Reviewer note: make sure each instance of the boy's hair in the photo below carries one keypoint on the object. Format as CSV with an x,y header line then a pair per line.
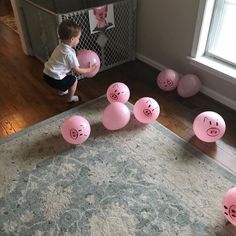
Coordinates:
x,y
68,29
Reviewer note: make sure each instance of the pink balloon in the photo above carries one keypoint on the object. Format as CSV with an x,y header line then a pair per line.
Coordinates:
x,y
116,116
86,58
209,126
75,130
229,205
118,92
189,85
146,110
168,79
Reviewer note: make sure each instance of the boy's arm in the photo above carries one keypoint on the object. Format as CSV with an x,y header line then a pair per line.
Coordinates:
x,y
80,70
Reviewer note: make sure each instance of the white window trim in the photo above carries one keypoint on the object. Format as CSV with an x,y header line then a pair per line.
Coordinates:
x,y
197,57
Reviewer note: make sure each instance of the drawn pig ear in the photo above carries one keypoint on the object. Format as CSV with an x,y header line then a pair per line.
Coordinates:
x,y
154,108
115,85
149,103
205,118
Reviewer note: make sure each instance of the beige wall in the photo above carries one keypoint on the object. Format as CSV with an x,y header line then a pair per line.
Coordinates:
x,y
165,32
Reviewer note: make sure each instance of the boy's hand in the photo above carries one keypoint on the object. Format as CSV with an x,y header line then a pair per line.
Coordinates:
x,y
93,67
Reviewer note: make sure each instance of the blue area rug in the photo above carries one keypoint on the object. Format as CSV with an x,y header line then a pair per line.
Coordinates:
x,y
140,180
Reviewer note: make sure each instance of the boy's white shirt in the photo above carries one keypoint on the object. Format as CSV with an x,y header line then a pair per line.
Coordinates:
x,y
62,60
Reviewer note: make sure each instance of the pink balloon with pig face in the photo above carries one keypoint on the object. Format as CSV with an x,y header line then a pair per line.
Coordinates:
x,y
209,126
146,110
168,80
229,205
75,130
118,92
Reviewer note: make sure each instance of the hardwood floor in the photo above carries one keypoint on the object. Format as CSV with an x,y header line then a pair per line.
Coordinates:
x,y
25,99
5,7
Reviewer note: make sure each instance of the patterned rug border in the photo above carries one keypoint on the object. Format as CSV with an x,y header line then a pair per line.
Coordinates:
x,y
229,174
10,22
48,121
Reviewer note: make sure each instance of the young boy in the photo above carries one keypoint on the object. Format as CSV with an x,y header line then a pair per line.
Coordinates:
x,y
63,60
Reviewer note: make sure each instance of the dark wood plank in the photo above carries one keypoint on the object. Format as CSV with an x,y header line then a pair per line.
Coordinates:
x,y
25,99
5,7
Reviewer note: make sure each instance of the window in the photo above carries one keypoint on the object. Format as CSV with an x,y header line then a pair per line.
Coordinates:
x,y
214,44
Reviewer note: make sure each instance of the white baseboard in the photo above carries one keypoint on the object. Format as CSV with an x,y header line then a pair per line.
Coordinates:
x,y
205,90
219,97
150,62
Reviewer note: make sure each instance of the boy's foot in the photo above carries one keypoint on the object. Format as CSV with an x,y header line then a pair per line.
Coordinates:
x,y
73,99
62,93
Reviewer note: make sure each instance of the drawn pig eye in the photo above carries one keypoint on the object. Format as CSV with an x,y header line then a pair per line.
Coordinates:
x,y
149,106
210,122
216,123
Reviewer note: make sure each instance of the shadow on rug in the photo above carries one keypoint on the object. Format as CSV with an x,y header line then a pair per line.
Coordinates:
x,y
141,180
10,22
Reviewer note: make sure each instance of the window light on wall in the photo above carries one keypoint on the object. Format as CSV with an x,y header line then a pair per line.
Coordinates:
x,y
214,46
